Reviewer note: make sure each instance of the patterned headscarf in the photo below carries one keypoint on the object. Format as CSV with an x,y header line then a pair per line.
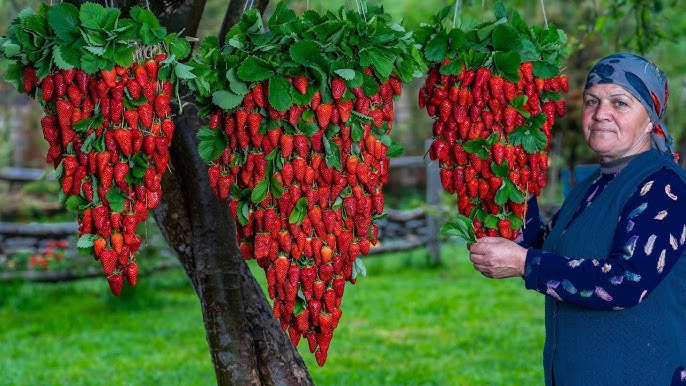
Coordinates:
x,y
646,82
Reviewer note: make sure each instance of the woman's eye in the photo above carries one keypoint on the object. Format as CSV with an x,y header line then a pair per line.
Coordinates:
x,y
591,102
620,104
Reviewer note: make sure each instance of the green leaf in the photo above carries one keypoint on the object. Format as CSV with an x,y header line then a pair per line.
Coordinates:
x,y
505,38
395,150
502,170
455,67
306,53
359,268
436,47
279,93
64,20
243,212
123,55
253,70
86,240
478,146
226,100
236,85
299,211
183,71
356,132
308,128
259,193
116,199
212,143
332,154
381,60
460,226
529,135
275,187
83,125
76,203
346,73
491,221
178,46
507,62
92,15
369,86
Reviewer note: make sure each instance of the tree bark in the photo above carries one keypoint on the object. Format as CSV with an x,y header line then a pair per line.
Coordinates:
x,y
246,343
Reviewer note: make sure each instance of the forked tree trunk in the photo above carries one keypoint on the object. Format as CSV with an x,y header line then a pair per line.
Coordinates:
x,y
247,344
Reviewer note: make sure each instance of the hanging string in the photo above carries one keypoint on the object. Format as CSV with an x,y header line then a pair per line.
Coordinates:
x,y
545,18
248,6
457,4
360,9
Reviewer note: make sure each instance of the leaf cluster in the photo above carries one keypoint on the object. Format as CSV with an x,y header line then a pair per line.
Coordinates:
x,y
317,46
91,37
501,44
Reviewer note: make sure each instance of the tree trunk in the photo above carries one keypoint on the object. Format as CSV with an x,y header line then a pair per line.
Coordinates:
x,y
247,344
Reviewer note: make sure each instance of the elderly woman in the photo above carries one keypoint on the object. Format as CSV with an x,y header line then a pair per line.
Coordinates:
x,y
610,261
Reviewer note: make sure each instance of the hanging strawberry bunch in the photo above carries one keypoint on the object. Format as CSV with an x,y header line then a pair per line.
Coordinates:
x,y
298,141
105,85
494,92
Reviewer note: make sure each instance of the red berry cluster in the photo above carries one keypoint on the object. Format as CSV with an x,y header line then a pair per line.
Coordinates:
x,y
109,135
476,113
317,216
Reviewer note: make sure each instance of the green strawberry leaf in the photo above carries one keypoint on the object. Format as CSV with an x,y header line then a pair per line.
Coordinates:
x,y
436,47
460,226
212,143
515,221
508,191
491,221
332,154
359,268
502,170
254,70
86,240
64,20
243,212
395,150
478,146
83,125
75,203
529,135
299,212
226,100
275,187
279,93
259,193
455,67
346,73
116,199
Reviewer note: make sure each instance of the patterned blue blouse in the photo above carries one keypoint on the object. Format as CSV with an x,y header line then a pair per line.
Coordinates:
x,y
649,239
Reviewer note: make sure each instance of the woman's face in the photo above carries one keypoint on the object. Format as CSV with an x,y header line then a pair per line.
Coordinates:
x,y
615,123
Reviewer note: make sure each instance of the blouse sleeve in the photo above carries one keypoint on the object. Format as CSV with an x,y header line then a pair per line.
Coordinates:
x,y
535,229
649,240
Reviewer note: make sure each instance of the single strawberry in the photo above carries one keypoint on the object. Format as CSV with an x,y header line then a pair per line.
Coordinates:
x,y
108,259
504,228
30,79
109,77
161,106
121,169
258,95
324,115
151,69
116,282
131,273
47,88
337,88
124,141
300,84
145,113
282,266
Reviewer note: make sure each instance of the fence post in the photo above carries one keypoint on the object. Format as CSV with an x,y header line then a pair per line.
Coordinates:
x,y
433,189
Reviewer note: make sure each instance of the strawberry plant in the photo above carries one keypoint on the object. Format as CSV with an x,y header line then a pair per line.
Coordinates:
x,y
494,91
298,141
105,84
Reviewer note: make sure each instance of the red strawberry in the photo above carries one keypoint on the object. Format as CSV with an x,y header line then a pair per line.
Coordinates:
x,y
345,109
109,76
134,88
131,273
47,88
282,265
498,151
123,138
116,283
121,169
337,88
145,112
300,84
258,95
30,79
151,68
324,115
161,105
504,228
254,121
131,117
108,259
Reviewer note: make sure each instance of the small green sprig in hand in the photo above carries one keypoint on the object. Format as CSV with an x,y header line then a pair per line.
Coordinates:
x,y
460,226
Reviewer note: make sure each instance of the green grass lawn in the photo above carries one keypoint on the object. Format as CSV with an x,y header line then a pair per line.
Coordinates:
x,y
404,324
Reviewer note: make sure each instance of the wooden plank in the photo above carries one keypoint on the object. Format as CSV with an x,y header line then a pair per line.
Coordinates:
x,y
15,174
37,230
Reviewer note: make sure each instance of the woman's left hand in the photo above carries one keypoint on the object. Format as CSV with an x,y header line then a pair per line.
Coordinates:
x,y
497,257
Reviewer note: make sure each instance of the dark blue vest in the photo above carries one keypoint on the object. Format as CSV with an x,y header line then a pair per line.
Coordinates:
x,y
641,345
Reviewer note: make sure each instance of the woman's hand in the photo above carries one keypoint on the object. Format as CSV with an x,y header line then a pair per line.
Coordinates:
x,y
497,257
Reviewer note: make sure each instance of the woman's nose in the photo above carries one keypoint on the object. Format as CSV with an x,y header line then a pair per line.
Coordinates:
x,y
602,111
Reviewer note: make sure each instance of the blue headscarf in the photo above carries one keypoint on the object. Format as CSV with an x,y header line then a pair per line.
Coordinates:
x,y
646,82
